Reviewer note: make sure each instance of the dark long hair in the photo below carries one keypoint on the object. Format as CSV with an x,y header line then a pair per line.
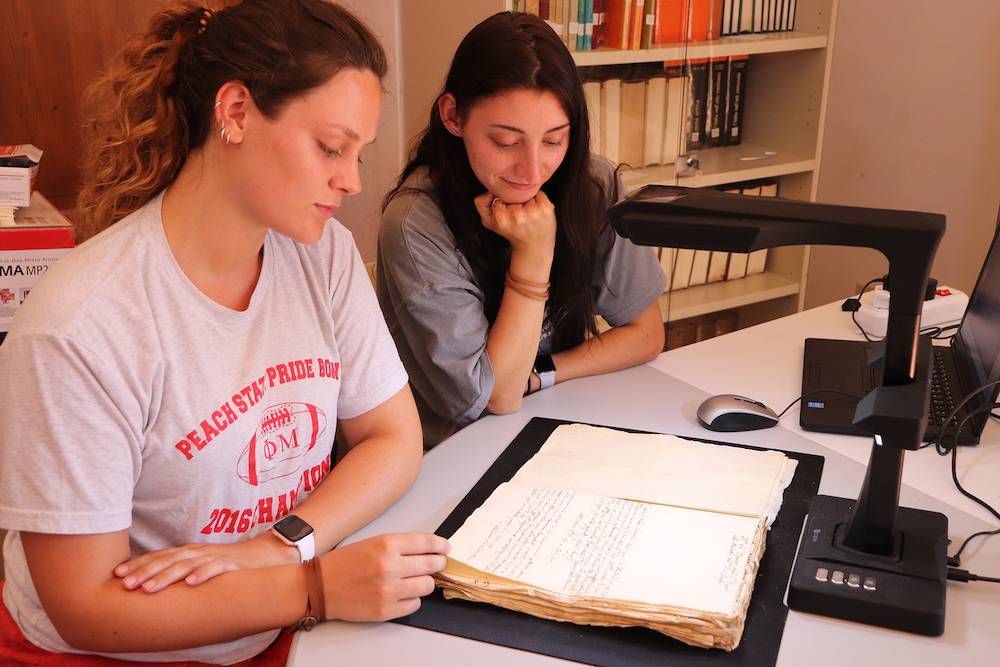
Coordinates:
x,y
506,52
154,104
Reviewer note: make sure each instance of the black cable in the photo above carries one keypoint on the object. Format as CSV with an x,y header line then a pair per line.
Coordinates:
x,y
854,312
938,442
957,558
934,332
956,574
817,391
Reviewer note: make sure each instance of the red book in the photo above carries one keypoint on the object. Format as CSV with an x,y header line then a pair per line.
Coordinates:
x,y
616,23
668,26
715,18
698,23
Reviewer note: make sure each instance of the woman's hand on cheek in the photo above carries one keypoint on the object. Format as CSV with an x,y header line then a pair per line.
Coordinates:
x,y
530,226
382,577
197,563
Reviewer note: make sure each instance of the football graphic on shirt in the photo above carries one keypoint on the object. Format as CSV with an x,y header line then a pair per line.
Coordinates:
x,y
285,434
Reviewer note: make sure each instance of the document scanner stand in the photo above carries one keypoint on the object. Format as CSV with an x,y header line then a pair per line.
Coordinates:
x,y
865,560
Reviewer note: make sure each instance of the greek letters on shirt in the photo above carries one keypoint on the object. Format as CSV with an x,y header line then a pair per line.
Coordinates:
x,y
276,417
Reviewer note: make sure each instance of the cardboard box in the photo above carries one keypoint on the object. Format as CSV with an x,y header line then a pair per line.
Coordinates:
x,y
40,236
18,172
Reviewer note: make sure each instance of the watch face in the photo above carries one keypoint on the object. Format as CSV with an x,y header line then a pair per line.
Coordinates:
x,y
292,528
544,364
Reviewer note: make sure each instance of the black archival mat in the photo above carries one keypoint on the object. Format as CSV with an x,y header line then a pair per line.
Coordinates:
x,y
624,646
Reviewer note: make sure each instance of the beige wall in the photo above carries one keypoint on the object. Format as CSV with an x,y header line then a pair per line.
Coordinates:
x,y
912,123
383,159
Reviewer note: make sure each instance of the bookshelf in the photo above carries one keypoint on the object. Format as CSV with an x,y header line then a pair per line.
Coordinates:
x,y
784,113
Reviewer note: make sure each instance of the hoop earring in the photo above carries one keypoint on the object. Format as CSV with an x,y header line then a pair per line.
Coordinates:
x,y
224,134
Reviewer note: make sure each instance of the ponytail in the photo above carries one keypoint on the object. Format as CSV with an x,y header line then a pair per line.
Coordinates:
x,y
136,138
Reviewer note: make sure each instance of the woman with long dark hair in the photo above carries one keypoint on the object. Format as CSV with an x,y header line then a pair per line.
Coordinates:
x,y
495,255
170,391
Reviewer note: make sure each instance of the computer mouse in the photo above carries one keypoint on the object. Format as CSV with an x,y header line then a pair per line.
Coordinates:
x,y
729,412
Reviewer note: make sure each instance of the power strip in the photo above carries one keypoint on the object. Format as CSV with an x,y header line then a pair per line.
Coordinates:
x,y
947,307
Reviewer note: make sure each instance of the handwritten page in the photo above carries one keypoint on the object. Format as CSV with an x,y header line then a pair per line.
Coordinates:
x,y
662,469
580,545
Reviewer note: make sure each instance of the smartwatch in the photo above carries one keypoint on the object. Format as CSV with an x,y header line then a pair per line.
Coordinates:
x,y
545,369
295,532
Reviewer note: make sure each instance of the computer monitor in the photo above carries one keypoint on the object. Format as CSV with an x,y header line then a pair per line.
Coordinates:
x,y
977,343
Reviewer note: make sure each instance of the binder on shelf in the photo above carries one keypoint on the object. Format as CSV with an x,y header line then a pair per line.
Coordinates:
x,y
699,268
611,118
588,25
737,87
656,108
717,102
697,70
633,96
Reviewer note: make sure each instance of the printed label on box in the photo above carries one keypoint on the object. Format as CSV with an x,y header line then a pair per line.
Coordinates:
x,y
20,270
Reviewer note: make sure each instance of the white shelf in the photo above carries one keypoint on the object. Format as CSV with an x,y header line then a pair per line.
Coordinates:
x,y
723,165
736,45
713,297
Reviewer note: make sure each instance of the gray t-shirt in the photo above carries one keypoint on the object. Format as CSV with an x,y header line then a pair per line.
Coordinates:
x,y
434,305
130,400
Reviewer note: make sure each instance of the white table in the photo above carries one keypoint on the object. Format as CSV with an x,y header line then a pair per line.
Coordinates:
x,y
764,362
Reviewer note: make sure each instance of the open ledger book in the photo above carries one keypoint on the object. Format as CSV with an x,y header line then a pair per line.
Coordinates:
x,y
603,527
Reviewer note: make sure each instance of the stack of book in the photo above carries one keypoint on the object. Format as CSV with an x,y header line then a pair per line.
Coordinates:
x,y
650,114
586,25
603,527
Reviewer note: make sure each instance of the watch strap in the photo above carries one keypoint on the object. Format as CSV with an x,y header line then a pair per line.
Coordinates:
x,y
306,547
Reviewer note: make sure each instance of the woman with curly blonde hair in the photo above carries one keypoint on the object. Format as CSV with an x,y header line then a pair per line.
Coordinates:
x,y
170,392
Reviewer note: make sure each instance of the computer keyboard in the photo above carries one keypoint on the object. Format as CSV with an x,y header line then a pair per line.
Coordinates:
x,y
942,401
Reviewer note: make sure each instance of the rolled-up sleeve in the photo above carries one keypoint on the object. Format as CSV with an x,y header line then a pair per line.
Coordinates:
x,y
434,310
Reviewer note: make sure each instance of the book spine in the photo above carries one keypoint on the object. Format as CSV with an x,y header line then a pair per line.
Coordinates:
x,y
738,66
715,18
671,21
638,12
718,103
698,90
699,267
633,107
677,103
614,9
698,23
648,21
656,106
